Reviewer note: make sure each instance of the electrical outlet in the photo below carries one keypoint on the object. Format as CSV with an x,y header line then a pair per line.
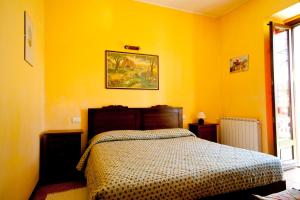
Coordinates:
x,y
75,120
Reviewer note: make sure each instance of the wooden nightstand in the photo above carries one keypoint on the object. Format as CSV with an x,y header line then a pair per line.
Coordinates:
x,y
205,131
60,151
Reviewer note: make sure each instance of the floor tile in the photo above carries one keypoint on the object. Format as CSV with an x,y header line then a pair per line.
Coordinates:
x,y
292,178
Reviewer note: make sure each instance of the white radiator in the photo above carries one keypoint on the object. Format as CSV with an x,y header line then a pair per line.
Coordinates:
x,y
241,132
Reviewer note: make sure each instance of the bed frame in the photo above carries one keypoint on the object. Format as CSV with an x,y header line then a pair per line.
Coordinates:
x,y
158,117
124,118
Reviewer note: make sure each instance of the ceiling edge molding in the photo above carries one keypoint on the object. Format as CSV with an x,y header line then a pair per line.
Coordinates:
x,y
235,8
178,9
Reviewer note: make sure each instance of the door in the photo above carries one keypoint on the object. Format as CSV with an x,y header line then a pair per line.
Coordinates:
x,y
296,69
283,111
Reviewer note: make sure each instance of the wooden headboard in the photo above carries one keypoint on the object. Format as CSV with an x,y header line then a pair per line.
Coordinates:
x,y
124,118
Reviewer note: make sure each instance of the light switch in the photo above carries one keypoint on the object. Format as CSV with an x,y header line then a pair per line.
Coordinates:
x,y
75,120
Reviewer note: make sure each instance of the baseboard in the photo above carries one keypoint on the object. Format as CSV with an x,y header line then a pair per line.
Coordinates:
x,y
34,191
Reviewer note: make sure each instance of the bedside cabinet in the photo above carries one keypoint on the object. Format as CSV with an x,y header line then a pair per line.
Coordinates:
x,y
60,152
205,131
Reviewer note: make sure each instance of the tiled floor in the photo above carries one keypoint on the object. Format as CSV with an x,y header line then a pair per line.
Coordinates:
x,y
42,191
292,178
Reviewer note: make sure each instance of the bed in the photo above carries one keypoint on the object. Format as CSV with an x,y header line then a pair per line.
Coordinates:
x,y
143,153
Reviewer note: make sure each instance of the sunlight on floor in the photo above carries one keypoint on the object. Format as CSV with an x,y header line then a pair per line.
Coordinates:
x,y
292,178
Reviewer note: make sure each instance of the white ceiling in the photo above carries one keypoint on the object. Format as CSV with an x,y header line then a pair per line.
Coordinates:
x,y
289,12
213,8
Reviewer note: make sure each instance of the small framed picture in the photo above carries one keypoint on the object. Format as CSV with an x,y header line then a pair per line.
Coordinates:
x,y
239,64
28,40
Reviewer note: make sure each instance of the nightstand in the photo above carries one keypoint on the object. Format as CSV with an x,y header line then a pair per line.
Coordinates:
x,y
205,131
60,151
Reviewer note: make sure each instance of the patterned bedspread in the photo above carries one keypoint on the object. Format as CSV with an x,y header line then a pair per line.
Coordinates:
x,y
170,164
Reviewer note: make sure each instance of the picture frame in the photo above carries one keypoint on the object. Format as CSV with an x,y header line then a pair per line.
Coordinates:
x,y
28,39
125,70
239,64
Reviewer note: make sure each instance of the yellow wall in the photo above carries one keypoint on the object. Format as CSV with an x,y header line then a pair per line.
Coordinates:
x,y
78,33
194,56
194,59
243,31
21,99
192,74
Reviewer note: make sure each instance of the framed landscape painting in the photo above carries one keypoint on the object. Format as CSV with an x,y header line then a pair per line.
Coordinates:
x,y
131,71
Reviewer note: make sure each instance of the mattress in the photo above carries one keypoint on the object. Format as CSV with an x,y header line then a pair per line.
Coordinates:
x,y
170,164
